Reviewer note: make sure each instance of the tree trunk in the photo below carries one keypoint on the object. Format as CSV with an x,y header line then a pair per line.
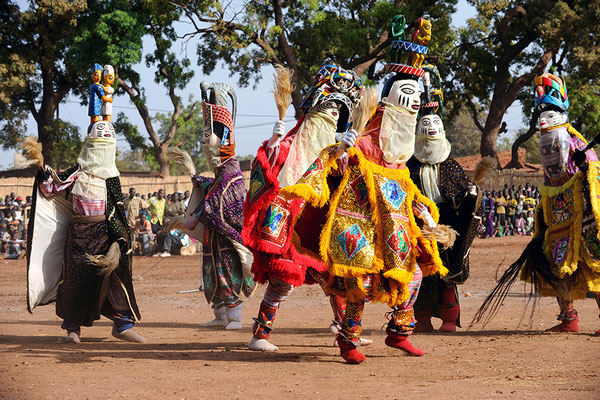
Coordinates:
x,y
163,162
44,119
514,160
491,130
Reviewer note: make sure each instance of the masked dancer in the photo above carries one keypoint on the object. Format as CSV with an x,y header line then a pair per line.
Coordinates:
x,y
268,216
444,182
563,258
80,244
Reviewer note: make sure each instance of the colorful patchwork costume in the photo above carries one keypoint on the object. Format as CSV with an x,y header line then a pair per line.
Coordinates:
x,y
268,216
443,181
225,260
563,258
372,241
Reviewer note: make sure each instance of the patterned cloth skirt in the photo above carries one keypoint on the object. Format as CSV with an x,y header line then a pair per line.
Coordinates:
x,y
82,292
223,278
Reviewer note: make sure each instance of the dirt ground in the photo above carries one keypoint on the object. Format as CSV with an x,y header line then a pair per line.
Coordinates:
x,y
507,359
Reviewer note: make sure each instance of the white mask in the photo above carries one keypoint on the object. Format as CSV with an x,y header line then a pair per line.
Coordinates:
x,y
102,129
404,94
430,125
548,119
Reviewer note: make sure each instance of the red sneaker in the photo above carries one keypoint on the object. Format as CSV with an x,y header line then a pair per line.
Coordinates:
x,y
423,320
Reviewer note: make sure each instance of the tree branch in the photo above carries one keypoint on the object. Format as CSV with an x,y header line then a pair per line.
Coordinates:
x,y
514,160
475,115
142,109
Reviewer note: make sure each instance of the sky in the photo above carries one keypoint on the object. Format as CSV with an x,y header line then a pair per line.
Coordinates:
x,y
256,107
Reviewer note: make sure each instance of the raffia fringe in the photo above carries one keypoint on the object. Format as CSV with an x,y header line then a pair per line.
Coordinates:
x,y
109,262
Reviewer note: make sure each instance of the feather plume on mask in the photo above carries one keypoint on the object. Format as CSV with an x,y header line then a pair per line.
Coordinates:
x,y
32,154
182,159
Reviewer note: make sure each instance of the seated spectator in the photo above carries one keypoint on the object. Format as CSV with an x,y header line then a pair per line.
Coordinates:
x,y
529,224
143,234
168,243
15,248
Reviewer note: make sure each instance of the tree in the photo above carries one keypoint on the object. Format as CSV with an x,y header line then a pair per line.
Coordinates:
x,y
301,34
116,38
463,134
189,133
67,143
35,73
507,45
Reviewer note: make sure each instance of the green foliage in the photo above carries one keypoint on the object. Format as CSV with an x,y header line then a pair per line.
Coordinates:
x,y
67,143
584,109
501,50
342,31
463,135
189,133
110,33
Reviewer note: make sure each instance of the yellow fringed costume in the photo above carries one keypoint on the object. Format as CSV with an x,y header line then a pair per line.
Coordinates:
x,y
370,229
571,238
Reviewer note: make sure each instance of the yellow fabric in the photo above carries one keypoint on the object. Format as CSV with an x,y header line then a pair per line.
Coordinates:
x,y
378,201
571,241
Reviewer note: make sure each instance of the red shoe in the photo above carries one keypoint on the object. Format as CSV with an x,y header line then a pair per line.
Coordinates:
x,y
423,320
449,317
566,326
597,333
449,310
401,342
349,352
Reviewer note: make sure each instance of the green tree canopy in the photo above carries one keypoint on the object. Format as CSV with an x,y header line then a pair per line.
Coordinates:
x,y
507,45
302,34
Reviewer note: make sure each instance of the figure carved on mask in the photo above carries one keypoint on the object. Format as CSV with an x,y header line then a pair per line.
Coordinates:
x,y
96,93
107,99
421,36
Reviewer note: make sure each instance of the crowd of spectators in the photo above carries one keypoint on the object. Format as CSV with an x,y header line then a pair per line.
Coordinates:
x,y
146,215
509,211
14,213
506,212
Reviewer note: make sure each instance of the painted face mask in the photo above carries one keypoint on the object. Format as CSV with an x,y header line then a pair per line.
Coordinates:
x,y
98,157
218,141
430,125
554,146
102,129
549,119
431,145
405,94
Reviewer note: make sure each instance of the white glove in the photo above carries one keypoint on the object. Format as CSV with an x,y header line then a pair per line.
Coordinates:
x,y
423,213
191,223
349,140
278,132
472,190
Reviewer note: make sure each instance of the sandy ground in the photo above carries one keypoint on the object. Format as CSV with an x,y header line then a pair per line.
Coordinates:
x,y
507,359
